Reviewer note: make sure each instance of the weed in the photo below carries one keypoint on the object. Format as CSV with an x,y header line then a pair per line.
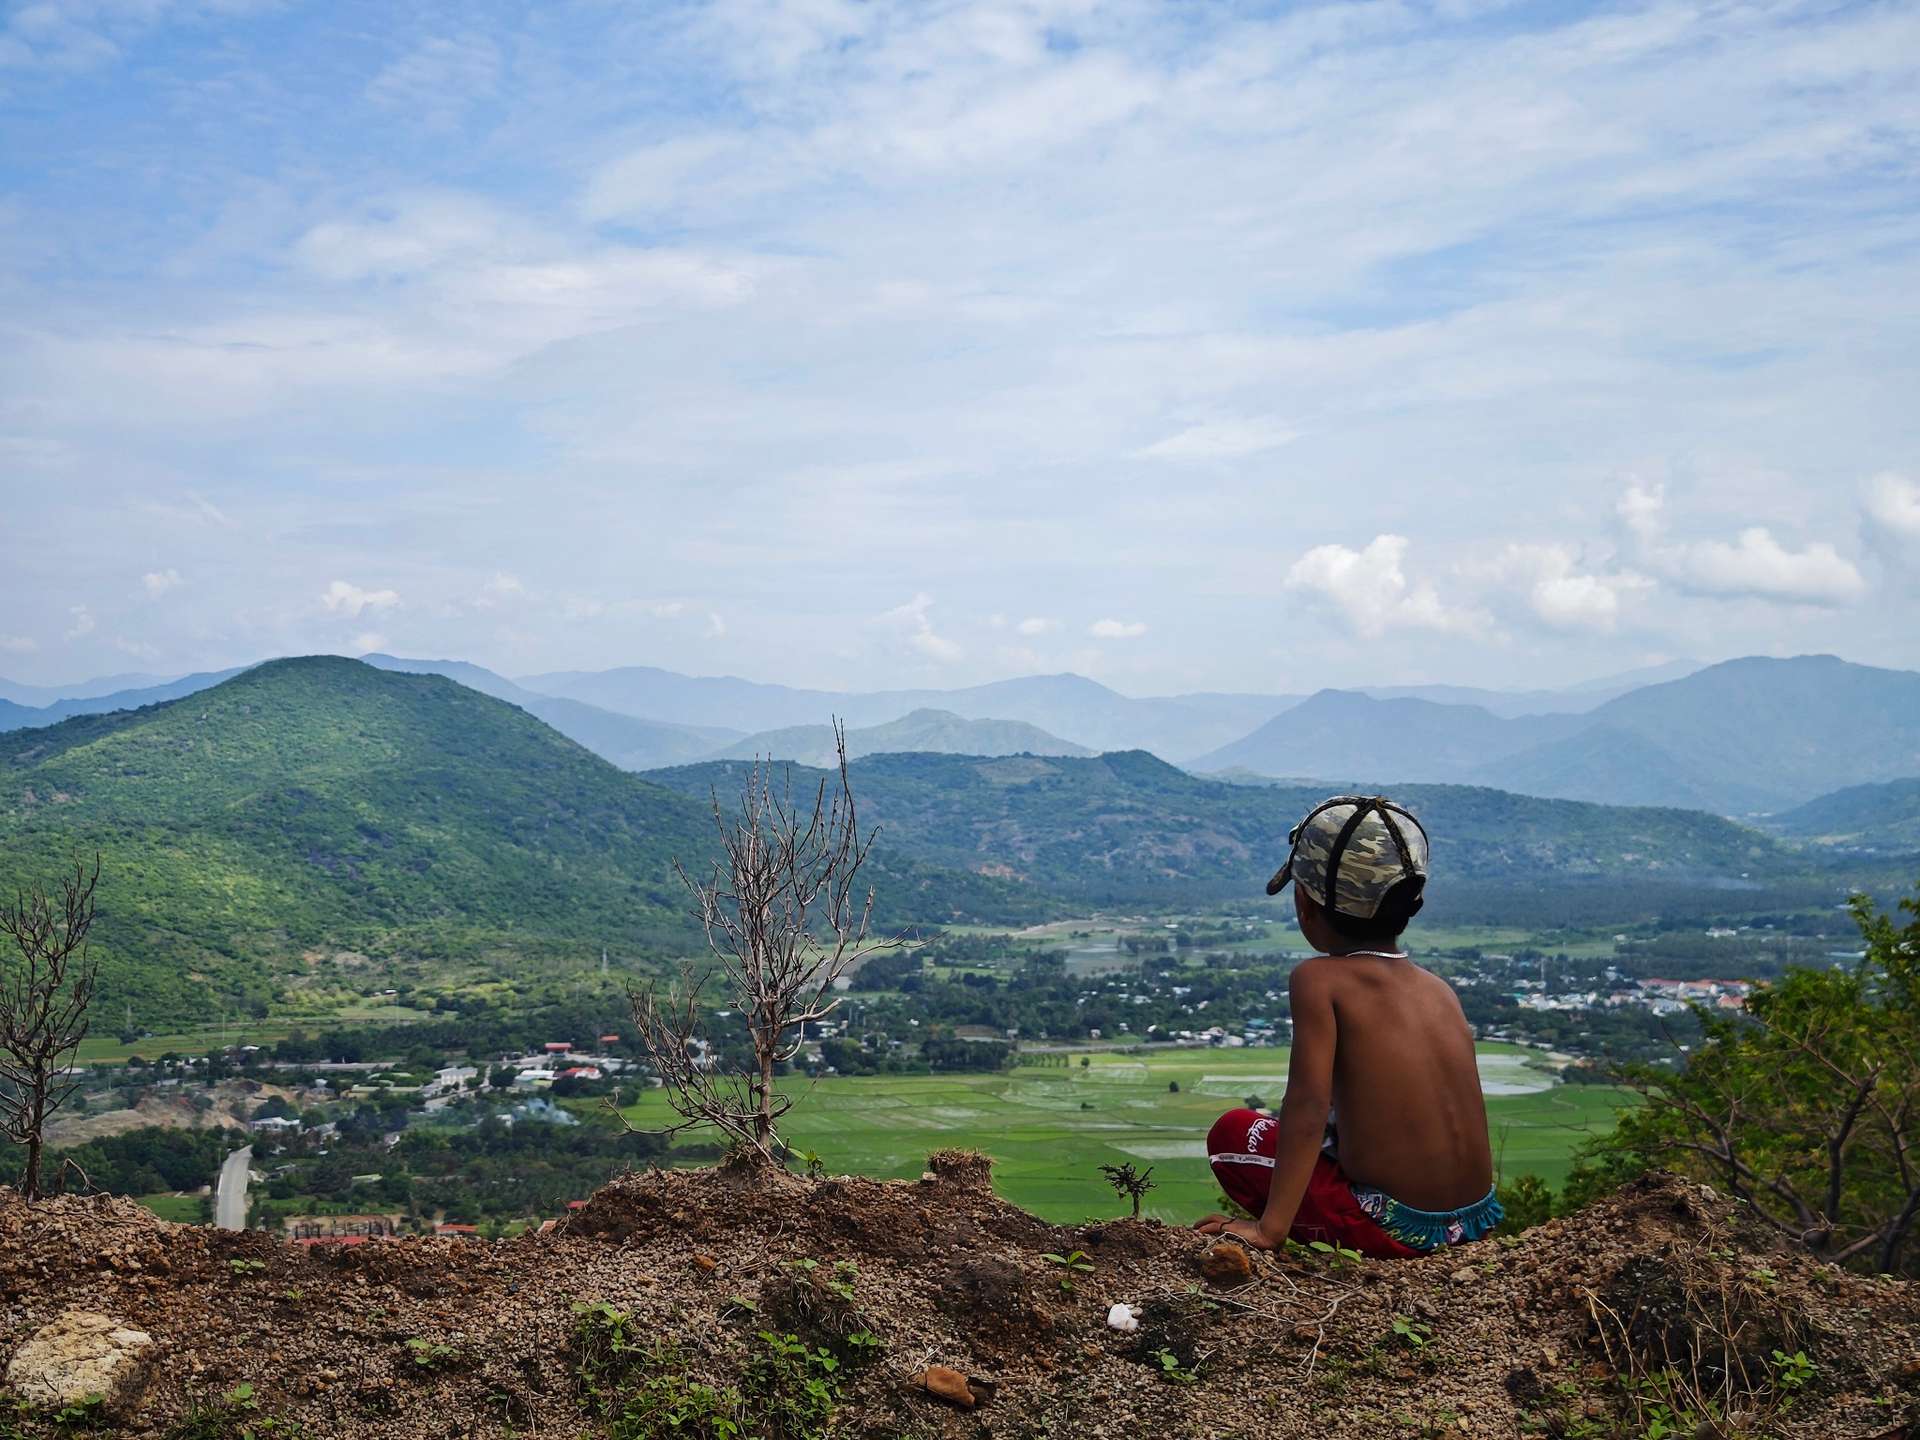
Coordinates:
x,y
1073,1262
1172,1371
1413,1333
1128,1182
431,1354
234,1416
242,1268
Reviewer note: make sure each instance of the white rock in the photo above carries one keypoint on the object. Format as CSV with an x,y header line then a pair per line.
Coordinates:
x,y
78,1354
1123,1317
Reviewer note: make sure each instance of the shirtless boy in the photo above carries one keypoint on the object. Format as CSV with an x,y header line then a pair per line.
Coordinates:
x,y
1381,1142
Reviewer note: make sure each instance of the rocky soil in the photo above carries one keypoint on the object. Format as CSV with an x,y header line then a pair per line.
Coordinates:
x,y
1563,1332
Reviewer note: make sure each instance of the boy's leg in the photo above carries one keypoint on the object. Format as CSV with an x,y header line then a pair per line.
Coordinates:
x,y
1241,1147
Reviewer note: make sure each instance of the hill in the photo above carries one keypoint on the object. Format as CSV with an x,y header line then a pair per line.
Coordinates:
x,y
1882,819
1127,827
316,806
631,742
318,822
937,732
647,1312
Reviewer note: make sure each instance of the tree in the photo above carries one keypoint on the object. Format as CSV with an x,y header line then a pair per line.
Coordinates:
x,y
44,996
784,919
1807,1107
1134,1184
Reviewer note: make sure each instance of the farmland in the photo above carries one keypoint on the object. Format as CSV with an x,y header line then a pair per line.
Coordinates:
x,y
1050,1128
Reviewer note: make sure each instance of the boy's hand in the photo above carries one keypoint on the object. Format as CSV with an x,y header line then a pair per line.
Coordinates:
x,y
1245,1231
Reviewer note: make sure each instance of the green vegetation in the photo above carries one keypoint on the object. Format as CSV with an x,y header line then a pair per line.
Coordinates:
x,y
1807,1107
1048,1150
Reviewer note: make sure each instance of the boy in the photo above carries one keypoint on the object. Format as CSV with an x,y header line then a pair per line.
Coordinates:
x,y
1379,1044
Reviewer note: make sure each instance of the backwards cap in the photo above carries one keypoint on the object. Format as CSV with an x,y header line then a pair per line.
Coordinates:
x,y
1350,851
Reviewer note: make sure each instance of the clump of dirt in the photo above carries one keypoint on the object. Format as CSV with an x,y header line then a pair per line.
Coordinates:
x,y
1563,1331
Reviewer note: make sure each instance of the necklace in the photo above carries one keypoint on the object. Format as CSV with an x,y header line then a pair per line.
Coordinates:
x,y
1376,954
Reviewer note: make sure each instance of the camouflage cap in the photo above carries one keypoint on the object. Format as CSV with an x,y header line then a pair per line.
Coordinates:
x,y
1370,844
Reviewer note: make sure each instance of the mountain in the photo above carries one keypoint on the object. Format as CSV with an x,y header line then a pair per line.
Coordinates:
x,y
36,696
314,806
316,823
1343,732
1126,827
1751,735
1745,736
1881,818
100,704
1569,700
1071,707
938,732
628,741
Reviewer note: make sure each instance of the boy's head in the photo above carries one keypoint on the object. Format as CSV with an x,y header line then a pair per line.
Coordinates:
x,y
1359,868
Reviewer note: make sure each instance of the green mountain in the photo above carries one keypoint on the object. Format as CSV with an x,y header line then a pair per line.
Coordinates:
x,y
935,732
1126,827
1884,819
312,822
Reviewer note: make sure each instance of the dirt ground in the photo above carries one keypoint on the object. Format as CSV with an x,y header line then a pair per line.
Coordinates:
x,y
1554,1334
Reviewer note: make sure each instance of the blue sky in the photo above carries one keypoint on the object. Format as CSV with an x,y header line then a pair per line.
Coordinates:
x,y
1189,346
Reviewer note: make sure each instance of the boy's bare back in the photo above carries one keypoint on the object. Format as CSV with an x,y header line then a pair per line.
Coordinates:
x,y
1406,1089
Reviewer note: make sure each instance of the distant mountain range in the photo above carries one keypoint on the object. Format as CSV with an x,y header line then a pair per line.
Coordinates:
x,y
1878,819
1747,737
934,732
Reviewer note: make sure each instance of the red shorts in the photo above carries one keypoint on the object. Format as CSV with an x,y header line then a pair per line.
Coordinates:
x,y
1241,1148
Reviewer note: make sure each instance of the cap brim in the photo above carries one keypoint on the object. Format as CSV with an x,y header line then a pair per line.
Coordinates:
x,y
1281,877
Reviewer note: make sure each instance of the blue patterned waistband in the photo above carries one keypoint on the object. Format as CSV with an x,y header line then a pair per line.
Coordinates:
x,y
1430,1229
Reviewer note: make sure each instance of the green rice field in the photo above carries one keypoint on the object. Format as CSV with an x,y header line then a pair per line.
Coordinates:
x,y
1050,1128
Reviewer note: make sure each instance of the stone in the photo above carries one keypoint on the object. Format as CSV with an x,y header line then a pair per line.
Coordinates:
x,y
78,1354
705,1263
1227,1264
945,1383
1123,1317
1465,1275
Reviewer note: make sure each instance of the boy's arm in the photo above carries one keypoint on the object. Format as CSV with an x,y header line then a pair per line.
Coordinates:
x,y
1303,1113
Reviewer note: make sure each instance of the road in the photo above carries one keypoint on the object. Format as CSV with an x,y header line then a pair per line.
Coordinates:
x,y
230,1195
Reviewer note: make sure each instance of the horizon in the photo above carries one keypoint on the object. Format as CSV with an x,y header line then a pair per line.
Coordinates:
x,y
1187,350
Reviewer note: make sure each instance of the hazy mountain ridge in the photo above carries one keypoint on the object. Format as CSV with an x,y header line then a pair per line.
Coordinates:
x,y
1884,818
1743,736
938,732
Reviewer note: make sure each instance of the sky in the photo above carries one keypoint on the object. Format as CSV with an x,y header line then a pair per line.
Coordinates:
x,y
1188,346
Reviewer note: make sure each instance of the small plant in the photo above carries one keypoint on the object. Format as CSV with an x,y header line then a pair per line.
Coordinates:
x,y
810,1161
1337,1256
234,1416
1172,1371
1413,1333
241,1268
1073,1262
430,1354
1125,1180
1791,1373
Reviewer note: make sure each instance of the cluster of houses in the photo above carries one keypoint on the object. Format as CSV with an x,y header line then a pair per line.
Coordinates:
x,y
1662,996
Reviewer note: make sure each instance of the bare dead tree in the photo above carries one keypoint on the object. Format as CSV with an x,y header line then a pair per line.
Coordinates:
x,y
785,917
44,995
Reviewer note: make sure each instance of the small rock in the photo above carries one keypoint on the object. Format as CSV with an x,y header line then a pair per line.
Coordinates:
x,y
945,1383
82,1353
1465,1275
1123,1317
1227,1264
704,1263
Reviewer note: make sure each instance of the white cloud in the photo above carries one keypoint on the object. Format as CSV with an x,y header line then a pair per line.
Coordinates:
x,y
138,649
1117,629
1370,588
83,622
18,644
913,621
1037,625
343,598
1561,593
716,626
1221,440
1893,506
1753,565
499,590
368,642
667,609
159,582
